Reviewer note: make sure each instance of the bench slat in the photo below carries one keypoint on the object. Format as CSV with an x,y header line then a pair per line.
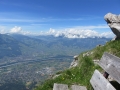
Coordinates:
x,y
77,87
99,82
111,64
60,86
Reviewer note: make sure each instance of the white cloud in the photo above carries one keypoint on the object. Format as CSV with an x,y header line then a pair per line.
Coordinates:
x,y
107,34
81,32
91,27
75,32
16,29
2,30
78,33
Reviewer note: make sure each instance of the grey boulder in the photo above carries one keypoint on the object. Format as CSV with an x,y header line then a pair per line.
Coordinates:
x,y
113,22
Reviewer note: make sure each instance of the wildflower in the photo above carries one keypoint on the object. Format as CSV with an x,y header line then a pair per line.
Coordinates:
x,y
73,75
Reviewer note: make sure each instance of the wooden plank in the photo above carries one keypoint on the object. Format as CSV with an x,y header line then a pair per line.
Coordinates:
x,y
60,86
99,82
77,87
111,64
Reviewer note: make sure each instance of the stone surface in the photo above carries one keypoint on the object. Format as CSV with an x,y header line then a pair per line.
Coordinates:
x,y
96,61
76,57
113,22
56,76
74,63
87,54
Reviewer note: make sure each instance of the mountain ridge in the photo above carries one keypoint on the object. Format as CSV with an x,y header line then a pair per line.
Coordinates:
x,y
42,44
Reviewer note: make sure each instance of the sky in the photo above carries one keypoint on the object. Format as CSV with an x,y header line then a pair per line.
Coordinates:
x,y
56,16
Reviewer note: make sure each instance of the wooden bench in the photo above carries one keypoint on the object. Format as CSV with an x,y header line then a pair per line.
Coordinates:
x,y
111,64
60,86
65,87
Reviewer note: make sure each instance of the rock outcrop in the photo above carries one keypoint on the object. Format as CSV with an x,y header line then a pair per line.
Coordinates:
x,y
87,54
74,62
113,22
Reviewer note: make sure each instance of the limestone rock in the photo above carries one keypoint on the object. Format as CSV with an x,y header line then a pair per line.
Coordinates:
x,y
99,45
96,61
74,62
113,22
56,76
87,54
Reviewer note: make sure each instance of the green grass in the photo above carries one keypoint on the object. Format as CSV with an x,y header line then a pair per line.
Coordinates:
x,y
112,47
81,74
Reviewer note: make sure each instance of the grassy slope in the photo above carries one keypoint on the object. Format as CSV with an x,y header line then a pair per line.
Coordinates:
x,y
82,73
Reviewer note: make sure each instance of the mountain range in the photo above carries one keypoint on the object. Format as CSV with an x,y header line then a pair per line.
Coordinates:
x,y
14,45
28,59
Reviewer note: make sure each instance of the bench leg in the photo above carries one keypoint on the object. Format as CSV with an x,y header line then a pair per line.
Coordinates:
x,y
106,75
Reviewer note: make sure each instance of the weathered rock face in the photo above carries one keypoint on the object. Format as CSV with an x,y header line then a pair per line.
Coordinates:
x,y
113,22
74,62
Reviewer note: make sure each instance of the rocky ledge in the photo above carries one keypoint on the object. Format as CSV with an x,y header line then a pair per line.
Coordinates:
x,y
113,22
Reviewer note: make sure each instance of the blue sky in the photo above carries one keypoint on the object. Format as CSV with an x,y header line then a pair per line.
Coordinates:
x,y
41,15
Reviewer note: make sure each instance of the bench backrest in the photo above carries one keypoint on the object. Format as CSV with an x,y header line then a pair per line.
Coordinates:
x,y
111,64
